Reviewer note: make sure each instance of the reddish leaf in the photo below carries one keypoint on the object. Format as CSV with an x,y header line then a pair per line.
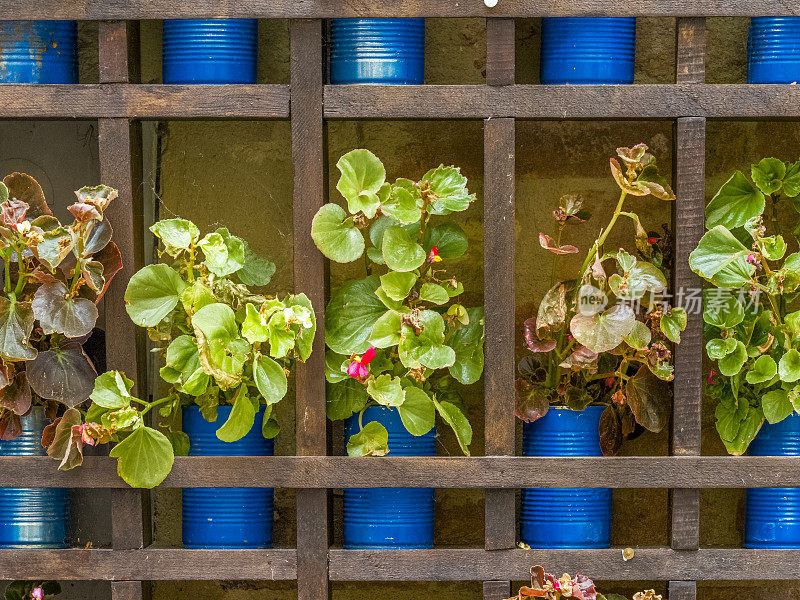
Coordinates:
x,y
67,446
25,188
17,396
531,400
13,212
83,211
610,432
10,427
649,399
549,243
532,340
111,259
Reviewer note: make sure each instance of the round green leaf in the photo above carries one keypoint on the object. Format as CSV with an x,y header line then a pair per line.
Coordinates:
x,y
335,235
434,293
224,252
776,406
789,366
449,239
737,201
718,348
145,458
241,419
417,412
270,379
603,331
768,174
372,440
386,390
459,423
763,369
467,343
672,323
177,234
152,293
400,252
722,309
344,398
362,177
403,205
112,390
720,257
256,270
351,313
639,337
397,285
386,331
731,364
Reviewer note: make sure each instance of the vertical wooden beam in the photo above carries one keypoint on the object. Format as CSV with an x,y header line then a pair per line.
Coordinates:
x,y
682,590
308,159
689,226
120,167
498,297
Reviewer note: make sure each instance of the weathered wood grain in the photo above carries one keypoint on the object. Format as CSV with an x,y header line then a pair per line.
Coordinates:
x,y
292,9
618,102
143,101
308,161
496,590
149,564
689,216
508,472
648,564
682,590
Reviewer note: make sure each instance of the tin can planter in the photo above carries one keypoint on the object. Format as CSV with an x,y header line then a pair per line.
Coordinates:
x,y
390,518
232,518
388,51
210,50
32,518
587,50
773,514
568,517
773,50
38,52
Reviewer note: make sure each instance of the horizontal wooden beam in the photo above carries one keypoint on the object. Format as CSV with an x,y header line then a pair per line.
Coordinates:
x,y
507,472
553,102
271,101
149,564
647,564
471,564
290,9
137,101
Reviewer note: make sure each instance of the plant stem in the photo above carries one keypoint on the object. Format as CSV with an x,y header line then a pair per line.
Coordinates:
x,y
156,403
555,260
21,275
600,240
7,274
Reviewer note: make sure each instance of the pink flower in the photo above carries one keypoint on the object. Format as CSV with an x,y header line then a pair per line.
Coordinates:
x,y
434,257
711,374
85,437
751,258
37,593
358,367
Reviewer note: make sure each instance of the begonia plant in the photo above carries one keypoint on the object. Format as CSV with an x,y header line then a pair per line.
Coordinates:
x,y
751,317
398,337
53,277
221,342
603,337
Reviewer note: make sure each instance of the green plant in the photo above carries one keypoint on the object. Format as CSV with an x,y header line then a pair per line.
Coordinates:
x,y
221,342
54,275
752,329
32,590
547,586
400,338
585,353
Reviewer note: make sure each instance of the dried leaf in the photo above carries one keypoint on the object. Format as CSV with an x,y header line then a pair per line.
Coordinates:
x,y
549,243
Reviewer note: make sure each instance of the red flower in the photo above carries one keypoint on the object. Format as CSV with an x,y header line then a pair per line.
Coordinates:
x,y
434,257
358,367
751,258
711,374
37,593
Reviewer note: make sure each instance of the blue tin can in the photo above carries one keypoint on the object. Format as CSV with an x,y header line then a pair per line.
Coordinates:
x,y
390,518
231,518
773,514
388,51
38,52
210,50
565,517
773,50
32,518
588,50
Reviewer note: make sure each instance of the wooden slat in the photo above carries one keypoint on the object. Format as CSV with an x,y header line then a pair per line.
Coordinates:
x,y
308,159
689,214
151,564
286,9
471,564
682,590
498,297
509,472
120,167
618,102
143,101
648,564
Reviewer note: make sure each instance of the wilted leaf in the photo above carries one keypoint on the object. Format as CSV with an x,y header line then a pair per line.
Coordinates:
x,y
548,243
67,445
16,325
16,397
552,311
25,188
610,432
649,399
603,331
